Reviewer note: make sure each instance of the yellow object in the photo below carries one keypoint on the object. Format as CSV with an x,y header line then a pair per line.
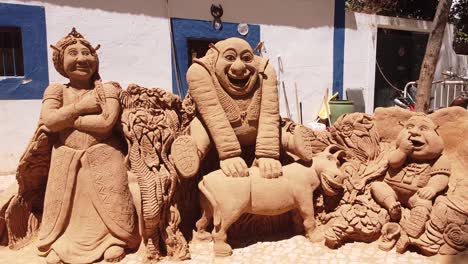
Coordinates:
x,y
325,110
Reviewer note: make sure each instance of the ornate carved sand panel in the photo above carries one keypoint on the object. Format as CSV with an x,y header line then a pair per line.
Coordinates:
x,y
151,120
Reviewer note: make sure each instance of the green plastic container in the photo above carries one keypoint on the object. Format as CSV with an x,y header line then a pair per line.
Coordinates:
x,y
338,108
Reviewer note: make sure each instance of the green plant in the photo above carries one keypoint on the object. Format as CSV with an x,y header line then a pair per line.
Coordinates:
x,y
417,9
459,18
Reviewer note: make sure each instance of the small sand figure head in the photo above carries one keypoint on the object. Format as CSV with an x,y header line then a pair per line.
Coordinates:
x,y
422,132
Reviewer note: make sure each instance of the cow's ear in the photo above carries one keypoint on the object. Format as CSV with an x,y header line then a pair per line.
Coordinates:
x,y
332,148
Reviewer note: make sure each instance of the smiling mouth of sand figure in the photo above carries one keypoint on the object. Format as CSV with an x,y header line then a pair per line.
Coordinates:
x,y
82,66
239,82
418,144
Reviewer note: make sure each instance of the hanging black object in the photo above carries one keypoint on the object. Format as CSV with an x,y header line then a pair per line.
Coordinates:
x,y
217,13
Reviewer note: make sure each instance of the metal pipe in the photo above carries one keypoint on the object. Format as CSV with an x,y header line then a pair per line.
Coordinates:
x,y
3,62
14,61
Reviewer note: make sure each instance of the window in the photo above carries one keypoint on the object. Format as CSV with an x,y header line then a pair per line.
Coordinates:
x,y
197,48
24,72
11,52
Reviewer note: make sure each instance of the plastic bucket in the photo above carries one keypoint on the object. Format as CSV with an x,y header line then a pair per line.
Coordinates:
x,y
338,108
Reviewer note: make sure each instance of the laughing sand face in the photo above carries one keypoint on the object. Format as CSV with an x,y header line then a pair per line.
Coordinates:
x,y
236,67
421,132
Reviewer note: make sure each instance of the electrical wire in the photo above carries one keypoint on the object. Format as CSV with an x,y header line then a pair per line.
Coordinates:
x,y
385,78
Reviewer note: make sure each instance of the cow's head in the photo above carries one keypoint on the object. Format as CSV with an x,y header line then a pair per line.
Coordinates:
x,y
327,166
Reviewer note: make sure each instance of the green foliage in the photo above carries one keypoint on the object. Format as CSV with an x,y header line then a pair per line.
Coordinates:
x,y
417,9
459,18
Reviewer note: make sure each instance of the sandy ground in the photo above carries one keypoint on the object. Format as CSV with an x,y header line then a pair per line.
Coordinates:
x,y
295,250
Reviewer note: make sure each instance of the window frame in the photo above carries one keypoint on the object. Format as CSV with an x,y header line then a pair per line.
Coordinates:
x,y
31,21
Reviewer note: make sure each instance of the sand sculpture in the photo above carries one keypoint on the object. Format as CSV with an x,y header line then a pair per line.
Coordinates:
x,y
236,96
87,178
151,120
82,164
396,185
417,173
226,198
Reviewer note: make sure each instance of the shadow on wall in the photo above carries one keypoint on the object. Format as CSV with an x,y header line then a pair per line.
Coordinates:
x,y
294,13
154,8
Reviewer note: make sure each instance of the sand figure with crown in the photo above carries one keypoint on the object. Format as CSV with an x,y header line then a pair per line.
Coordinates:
x,y
88,210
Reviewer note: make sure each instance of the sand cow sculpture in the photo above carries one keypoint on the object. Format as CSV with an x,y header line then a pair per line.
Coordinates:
x,y
236,96
225,198
418,171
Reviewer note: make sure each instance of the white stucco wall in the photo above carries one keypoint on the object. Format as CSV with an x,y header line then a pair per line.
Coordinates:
x,y
135,48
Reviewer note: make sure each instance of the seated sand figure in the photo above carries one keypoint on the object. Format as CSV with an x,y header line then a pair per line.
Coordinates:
x,y
236,96
88,209
418,171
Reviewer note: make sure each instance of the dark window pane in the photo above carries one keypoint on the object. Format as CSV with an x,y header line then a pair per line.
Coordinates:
x,y
11,55
197,48
8,58
399,55
19,62
2,63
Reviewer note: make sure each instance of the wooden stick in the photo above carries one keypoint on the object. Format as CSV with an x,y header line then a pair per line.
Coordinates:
x,y
298,111
288,112
300,116
327,109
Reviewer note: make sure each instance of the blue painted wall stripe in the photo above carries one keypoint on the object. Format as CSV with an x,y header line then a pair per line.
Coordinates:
x,y
31,20
185,29
338,47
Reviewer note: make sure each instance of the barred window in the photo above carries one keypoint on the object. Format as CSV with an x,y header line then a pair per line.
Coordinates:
x,y
11,52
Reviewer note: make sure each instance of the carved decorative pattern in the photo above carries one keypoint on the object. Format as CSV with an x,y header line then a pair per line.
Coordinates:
x,y
151,120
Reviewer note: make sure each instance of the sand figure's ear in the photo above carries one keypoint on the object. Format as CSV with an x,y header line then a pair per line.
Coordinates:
x,y
259,47
211,45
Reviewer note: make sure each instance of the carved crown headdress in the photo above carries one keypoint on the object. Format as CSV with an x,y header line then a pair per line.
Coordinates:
x,y
72,38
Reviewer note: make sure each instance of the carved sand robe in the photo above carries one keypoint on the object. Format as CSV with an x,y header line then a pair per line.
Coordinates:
x,y
226,198
151,120
88,209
